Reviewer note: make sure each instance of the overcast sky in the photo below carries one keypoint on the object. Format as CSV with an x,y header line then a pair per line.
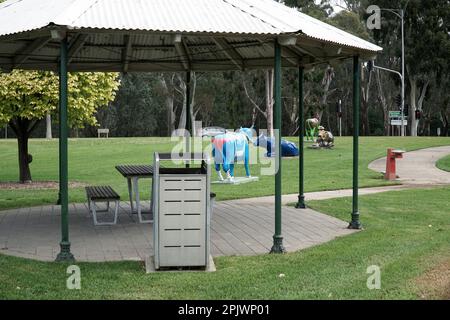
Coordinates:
x,y
337,4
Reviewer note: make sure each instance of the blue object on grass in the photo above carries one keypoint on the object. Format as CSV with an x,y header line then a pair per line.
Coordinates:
x,y
288,149
230,147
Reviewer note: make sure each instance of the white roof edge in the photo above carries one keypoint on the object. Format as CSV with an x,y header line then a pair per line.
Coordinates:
x,y
248,7
266,17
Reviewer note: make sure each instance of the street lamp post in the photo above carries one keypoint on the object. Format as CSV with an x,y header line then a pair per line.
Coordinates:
x,y
401,14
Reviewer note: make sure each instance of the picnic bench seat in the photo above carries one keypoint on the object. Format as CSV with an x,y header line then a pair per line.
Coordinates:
x,y
102,194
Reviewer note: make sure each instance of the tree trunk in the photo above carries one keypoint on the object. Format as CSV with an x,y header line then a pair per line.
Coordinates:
x,y
183,116
170,115
423,93
23,129
365,118
384,105
326,82
193,114
445,122
169,100
417,104
268,112
254,115
48,121
365,90
413,106
24,159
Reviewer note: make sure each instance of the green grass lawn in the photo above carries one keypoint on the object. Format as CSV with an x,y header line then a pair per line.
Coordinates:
x,y
444,163
407,234
92,161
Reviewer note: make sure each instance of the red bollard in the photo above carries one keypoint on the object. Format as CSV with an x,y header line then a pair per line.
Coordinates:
x,y
390,163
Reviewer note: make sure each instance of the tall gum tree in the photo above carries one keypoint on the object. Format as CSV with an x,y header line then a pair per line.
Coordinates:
x,y
427,46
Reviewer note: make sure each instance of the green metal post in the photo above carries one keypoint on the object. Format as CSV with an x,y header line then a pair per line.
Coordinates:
x,y
277,238
64,254
355,223
58,202
188,114
301,127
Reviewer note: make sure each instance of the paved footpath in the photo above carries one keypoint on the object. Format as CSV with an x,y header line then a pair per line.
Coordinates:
x,y
417,169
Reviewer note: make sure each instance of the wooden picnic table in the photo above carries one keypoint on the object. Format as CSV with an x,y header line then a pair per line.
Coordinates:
x,y
133,173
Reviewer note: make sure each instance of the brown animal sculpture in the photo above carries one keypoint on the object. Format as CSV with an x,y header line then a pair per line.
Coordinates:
x,y
325,138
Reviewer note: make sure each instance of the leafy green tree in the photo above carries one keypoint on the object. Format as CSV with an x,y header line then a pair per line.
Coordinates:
x,y
27,96
137,110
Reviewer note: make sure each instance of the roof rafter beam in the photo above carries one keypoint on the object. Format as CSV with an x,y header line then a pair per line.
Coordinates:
x,y
230,52
126,53
307,44
161,65
183,51
22,57
76,45
287,54
304,51
291,56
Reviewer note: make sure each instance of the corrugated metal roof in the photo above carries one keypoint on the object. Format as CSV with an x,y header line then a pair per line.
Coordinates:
x,y
290,20
213,16
257,17
140,35
19,16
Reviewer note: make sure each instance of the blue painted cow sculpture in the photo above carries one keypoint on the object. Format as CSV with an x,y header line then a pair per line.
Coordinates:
x,y
288,149
229,147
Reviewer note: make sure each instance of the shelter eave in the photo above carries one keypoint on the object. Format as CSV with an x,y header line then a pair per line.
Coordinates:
x,y
111,50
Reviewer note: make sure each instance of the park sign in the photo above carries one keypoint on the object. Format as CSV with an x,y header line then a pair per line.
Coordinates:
x,y
398,122
395,118
395,114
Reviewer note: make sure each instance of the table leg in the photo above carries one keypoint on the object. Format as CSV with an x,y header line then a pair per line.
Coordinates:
x,y
136,194
130,193
138,203
151,198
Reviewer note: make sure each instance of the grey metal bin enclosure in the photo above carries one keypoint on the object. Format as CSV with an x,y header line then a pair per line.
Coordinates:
x,y
181,211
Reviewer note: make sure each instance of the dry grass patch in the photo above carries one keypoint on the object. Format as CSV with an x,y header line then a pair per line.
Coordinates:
x,y
435,283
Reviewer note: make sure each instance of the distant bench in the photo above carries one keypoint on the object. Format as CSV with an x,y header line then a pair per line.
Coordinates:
x,y
103,131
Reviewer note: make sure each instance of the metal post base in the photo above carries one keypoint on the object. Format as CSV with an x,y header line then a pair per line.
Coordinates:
x,y
355,223
301,203
278,245
65,255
